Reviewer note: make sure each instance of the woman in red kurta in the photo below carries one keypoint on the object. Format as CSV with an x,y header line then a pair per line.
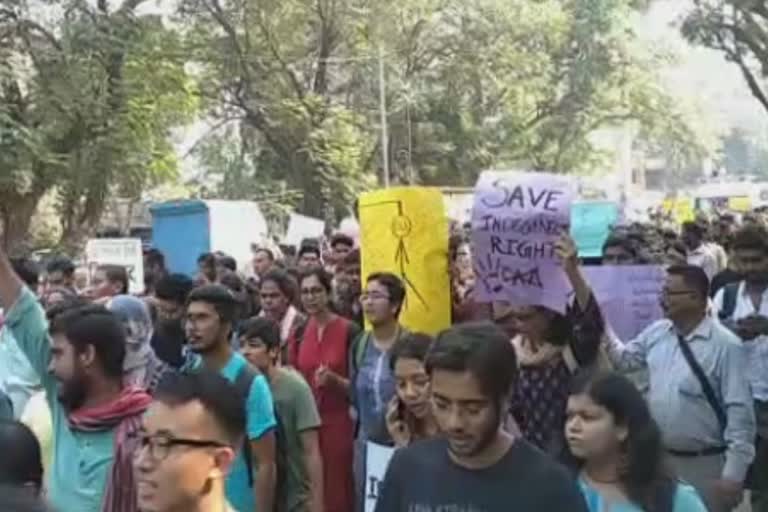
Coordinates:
x,y
321,355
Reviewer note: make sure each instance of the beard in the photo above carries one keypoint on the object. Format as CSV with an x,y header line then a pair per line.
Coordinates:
x,y
72,392
486,437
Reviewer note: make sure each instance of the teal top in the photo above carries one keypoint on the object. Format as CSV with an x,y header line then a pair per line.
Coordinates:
x,y
81,460
260,420
686,500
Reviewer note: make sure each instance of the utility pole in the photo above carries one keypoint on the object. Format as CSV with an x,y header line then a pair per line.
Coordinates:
x,y
383,111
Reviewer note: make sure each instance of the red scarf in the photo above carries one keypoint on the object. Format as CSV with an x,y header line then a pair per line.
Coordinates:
x,y
124,416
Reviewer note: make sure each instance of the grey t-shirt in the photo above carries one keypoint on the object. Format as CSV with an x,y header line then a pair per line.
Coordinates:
x,y
423,478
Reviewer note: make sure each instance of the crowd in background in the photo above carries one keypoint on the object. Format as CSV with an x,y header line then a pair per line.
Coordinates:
x,y
259,388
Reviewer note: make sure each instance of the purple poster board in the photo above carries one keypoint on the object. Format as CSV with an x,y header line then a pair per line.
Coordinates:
x,y
628,296
517,219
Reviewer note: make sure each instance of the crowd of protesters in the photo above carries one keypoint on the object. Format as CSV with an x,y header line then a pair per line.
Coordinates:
x,y
259,389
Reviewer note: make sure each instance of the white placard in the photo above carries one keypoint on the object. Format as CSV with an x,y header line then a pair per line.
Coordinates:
x,y
125,252
301,227
376,461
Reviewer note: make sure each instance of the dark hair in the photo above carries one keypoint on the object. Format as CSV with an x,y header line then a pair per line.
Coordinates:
x,y
216,394
27,270
394,286
94,325
232,281
154,257
60,264
68,303
646,478
217,296
116,274
284,281
22,455
750,237
692,276
559,331
264,328
413,345
306,248
480,348
228,262
265,250
352,258
694,228
342,238
207,258
15,499
321,275
621,241
174,287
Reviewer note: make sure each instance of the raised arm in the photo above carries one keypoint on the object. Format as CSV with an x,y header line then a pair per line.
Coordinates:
x,y
26,320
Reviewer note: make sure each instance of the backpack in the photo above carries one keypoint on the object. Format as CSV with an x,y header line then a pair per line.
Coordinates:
x,y
243,383
730,294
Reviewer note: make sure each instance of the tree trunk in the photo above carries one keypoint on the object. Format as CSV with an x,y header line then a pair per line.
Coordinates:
x,y
16,216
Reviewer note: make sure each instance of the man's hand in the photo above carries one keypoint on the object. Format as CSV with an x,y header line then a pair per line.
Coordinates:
x,y
566,252
728,492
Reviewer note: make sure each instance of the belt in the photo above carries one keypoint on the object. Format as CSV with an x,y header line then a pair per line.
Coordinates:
x,y
706,452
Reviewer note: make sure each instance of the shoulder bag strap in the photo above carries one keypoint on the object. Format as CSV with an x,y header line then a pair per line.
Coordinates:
x,y
695,367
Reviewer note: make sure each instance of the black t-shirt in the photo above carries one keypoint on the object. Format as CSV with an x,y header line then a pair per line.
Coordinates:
x,y
423,478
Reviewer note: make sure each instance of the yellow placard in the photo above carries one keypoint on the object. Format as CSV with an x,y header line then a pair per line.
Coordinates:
x,y
404,230
681,209
739,204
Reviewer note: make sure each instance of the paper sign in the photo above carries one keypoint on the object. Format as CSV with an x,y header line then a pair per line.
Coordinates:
x,y
377,459
628,296
301,227
681,209
404,231
517,219
125,252
591,224
739,204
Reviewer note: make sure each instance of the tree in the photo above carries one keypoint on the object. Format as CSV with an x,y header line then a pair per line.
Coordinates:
x,y
86,108
739,29
469,85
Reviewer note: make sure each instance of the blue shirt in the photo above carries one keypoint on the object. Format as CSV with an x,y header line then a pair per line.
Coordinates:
x,y
676,399
260,419
81,460
686,500
374,389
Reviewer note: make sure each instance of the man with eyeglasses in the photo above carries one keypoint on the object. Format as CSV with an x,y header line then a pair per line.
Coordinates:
x,y
699,394
187,444
743,307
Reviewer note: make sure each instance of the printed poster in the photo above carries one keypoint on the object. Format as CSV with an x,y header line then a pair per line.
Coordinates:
x,y
126,252
377,459
404,230
591,223
517,219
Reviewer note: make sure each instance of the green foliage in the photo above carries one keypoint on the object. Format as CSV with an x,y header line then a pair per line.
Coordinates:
x,y
738,29
89,103
470,85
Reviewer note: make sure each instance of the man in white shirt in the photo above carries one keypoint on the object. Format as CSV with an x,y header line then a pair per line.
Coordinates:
x,y
698,253
743,306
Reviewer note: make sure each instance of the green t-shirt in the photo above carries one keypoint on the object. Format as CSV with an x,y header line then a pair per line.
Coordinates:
x,y
295,405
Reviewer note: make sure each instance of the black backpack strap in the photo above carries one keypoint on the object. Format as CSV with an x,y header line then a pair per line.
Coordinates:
x,y
706,386
243,383
730,294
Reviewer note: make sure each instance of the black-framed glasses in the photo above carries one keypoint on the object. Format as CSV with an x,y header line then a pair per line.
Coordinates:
x,y
160,446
